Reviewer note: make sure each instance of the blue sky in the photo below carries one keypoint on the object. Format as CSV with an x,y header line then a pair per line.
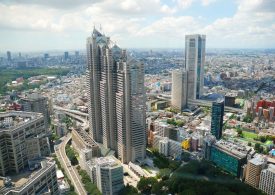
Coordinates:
x,y
38,25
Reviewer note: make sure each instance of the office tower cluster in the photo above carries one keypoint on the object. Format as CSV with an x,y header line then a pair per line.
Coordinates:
x,y
24,167
116,92
188,82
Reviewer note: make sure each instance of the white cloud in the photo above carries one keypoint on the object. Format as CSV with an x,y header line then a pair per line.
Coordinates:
x,y
207,2
253,24
184,3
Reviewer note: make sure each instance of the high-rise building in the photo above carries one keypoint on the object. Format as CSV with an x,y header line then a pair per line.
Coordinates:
x,y
76,53
194,64
217,118
109,175
253,171
179,89
23,138
34,102
267,180
8,55
116,92
66,55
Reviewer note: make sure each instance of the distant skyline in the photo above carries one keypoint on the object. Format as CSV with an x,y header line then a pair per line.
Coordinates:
x,y
33,25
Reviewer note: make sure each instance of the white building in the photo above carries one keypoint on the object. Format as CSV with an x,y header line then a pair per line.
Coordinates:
x,y
106,173
179,89
164,146
267,180
109,175
167,146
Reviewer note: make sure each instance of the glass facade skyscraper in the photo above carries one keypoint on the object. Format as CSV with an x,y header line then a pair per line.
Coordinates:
x,y
217,118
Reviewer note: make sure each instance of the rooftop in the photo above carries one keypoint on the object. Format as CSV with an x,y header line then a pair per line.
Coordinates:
x,y
13,119
23,179
258,160
235,149
108,161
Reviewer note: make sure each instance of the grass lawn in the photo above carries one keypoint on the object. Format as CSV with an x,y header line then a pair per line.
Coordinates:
x,y
268,142
249,135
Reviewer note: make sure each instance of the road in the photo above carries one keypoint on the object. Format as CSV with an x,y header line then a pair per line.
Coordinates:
x,y
69,169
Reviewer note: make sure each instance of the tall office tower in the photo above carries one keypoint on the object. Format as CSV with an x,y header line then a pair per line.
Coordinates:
x,y
194,64
9,55
130,102
66,55
109,175
179,89
267,180
101,80
76,53
253,171
34,102
116,98
217,118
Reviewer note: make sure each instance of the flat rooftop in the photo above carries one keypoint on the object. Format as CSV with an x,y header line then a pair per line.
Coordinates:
x,y
235,149
23,178
108,161
13,119
257,161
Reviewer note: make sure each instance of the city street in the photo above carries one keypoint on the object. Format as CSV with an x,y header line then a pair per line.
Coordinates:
x,y
69,169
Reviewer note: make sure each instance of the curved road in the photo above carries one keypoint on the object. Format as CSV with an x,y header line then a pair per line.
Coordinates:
x,y
69,169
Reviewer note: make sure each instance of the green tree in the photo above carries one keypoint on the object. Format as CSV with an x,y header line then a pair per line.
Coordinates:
x,y
164,173
185,156
257,146
128,190
145,184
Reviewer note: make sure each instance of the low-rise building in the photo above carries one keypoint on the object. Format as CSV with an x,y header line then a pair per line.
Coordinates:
x,y
229,156
107,174
167,146
39,179
85,146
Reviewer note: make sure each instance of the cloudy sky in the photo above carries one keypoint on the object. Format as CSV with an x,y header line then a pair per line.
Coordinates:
x,y
37,25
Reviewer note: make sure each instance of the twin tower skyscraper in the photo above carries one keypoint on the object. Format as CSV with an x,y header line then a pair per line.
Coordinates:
x,y
116,93
188,82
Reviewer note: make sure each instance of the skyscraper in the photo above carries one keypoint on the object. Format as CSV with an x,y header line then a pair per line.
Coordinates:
x,y
9,55
66,55
179,89
194,63
130,104
115,84
217,118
